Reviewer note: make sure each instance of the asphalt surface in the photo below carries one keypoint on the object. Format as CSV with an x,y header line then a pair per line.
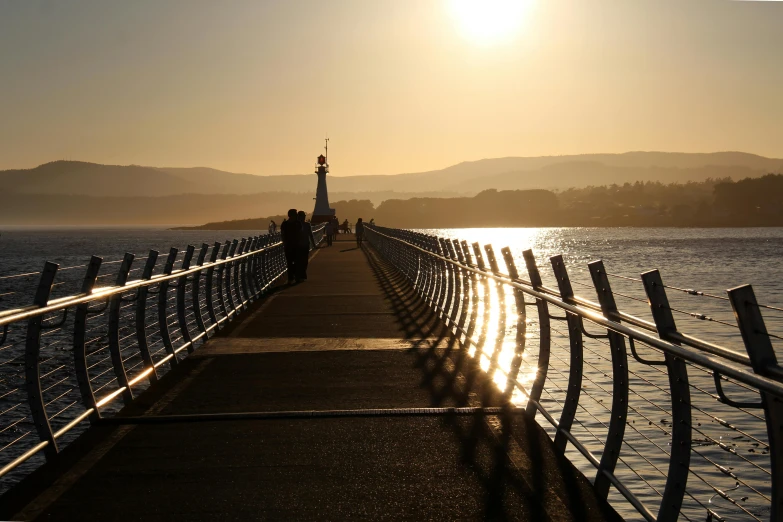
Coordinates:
x,y
352,337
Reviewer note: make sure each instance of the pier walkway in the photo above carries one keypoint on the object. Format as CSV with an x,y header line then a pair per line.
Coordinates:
x,y
354,356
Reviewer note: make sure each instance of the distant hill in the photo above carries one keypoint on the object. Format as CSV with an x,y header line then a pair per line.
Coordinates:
x,y
561,172
467,178
560,176
91,179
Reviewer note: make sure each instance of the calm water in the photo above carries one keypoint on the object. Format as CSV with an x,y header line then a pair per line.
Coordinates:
x,y
708,260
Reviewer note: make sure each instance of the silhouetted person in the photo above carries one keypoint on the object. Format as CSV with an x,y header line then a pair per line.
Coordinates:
x,y
359,232
330,229
290,230
305,239
272,227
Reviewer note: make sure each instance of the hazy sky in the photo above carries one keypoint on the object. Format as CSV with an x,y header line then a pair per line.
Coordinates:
x,y
398,85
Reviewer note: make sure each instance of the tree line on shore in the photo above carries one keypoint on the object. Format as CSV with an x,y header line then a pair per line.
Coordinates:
x,y
711,203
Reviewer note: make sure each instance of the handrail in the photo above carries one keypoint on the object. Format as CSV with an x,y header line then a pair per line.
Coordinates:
x,y
61,303
135,362
439,273
747,377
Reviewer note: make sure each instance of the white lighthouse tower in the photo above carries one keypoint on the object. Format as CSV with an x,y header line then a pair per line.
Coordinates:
x,y
322,213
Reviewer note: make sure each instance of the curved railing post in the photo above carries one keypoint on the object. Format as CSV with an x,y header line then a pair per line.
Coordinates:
x,y
250,269
247,270
444,295
479,256
501,293
521,328
115,302
237,267
210,286
257,272
79,340
432,290
421,275
474,297
222,271
414,267
250,274
141,317
256,277
425,277
182,284
456,283
282,261
266,266
163,326
482,338
448,283
619,412
434,272
196,291
244,273
544,334
32,363
234,309
679,458
437,272
762,360
269,265
576,356
464,287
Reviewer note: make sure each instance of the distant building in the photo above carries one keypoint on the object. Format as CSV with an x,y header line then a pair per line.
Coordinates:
x,y
322,213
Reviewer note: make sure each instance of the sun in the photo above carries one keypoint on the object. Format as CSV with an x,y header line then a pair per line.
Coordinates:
x,y
489,21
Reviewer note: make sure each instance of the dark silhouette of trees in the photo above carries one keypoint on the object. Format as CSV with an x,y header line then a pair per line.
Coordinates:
x,y
752,201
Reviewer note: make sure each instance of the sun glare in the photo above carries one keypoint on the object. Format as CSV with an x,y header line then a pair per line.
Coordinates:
x,y
489,21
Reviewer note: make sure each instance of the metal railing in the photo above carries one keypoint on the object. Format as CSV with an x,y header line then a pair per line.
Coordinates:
x,y
603,392
65,362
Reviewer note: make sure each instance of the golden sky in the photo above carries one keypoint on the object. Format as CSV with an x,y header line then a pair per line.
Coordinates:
x,y
398,85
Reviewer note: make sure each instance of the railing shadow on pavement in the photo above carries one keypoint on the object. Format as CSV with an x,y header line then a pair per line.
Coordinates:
x,y
453,379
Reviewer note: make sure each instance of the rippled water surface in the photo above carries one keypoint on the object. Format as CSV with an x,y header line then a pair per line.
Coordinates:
x,y
728,452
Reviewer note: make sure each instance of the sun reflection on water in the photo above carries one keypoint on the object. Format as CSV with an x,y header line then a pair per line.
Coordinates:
x,y
490,336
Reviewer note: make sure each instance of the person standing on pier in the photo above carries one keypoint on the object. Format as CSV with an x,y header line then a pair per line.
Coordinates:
x,y
290,230
305,239
359,232
330,230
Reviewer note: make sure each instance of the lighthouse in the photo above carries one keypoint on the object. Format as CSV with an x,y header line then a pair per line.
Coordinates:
x,y
322,213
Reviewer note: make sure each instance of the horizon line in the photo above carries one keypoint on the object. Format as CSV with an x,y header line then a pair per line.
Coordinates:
x,y
399,173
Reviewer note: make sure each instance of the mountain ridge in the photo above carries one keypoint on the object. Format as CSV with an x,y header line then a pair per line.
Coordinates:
x,y
468,177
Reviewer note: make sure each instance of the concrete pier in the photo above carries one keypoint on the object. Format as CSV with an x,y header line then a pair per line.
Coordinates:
x,y
352,340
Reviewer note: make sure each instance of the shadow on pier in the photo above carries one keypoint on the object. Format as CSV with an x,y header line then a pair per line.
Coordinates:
x,y
351,341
